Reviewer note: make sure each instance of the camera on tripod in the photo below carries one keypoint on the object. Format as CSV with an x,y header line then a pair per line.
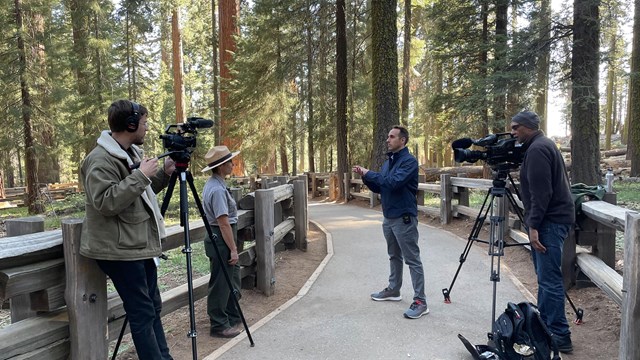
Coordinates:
x,y
501,149
180,139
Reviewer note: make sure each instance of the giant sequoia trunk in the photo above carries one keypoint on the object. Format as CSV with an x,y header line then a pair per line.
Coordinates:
x,y
385,76
178,85
585,151
228,11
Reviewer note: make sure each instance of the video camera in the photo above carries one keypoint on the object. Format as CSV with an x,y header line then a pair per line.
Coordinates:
x,y
180,139
502,150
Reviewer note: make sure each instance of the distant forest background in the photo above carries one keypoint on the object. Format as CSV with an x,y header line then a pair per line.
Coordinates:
x,y
312,85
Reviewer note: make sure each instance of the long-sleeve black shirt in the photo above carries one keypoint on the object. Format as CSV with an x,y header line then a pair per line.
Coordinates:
x,y
545,188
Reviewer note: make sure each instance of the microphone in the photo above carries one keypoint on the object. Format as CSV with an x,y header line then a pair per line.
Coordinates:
x,y
198,122
461,143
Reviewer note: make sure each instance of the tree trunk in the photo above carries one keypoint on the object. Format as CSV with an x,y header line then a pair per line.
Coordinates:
x,y
608,127
500,49
406,65
310,119
341,94
633,119
216,82
385,76
585,152
228,11
542,67
484,60
31,163
178,85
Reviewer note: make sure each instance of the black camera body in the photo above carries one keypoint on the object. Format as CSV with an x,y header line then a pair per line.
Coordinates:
x,y
180,139
502,149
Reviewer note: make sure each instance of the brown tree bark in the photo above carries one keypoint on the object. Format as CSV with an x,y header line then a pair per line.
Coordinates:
x,y
500,51
406,65
178,84
31,162
341,94
216,80
585,151
385,76
228,11
542,67
633,118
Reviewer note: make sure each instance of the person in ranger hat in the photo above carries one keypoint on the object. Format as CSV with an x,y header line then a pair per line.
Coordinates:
x,y
549,216
222,214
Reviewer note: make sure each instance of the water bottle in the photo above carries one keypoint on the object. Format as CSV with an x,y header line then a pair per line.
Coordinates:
x,y
609,179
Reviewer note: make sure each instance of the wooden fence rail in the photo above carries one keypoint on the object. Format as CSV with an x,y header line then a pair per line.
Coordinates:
x,y
80,318
590,248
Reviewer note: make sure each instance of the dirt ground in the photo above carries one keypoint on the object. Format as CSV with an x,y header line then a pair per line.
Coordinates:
x,y
599,334
596,338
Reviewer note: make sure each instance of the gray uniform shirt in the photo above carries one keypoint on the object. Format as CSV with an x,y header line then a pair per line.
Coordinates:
x,y
217,201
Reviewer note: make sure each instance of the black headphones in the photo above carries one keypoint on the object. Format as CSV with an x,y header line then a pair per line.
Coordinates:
x,y
134,119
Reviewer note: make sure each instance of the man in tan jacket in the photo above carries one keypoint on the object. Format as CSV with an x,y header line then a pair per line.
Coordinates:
x,y
123,225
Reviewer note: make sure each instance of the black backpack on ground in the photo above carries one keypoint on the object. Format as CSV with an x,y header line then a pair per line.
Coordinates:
x,y
518,334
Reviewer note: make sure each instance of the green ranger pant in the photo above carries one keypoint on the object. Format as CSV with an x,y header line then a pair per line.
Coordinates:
x,y
221,308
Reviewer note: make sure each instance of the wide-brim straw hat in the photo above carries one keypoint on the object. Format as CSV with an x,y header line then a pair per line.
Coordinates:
x,y
217,156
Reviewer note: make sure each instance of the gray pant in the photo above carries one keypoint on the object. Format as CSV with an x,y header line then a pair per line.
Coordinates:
x,y
402,243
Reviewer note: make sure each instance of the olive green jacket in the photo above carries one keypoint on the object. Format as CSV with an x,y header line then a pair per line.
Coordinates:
x,y
123,220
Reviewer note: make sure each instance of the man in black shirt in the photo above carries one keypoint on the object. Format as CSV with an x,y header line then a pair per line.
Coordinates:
x,y
549,216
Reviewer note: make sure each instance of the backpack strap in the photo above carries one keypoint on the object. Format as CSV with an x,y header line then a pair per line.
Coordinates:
x,y
533,310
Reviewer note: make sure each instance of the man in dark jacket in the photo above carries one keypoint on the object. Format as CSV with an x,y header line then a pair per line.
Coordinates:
x,y
123,225
397,183
549,216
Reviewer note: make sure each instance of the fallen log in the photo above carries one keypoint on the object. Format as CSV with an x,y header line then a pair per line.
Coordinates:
x,y
433,174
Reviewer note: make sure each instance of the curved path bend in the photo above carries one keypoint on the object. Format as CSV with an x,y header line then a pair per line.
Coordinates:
x,y
334,317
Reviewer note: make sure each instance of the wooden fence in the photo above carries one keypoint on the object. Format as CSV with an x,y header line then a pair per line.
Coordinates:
x,y
76,318
319,184
589,251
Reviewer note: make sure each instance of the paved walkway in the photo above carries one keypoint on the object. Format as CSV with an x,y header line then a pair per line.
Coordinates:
x,y
336,319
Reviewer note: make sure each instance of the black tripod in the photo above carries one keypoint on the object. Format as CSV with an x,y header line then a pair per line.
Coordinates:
x,y
496,233
186,178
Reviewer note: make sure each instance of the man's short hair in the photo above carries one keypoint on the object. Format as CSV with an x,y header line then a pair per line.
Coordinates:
x,y
404,133
119,112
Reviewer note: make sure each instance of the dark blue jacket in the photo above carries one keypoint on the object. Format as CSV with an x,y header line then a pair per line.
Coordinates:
x,y
397,183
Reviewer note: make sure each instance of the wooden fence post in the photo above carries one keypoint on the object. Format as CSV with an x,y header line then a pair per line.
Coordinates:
x,y
314,185
445,199
463,193
21,304
264,241
422,178
86,297
630,324
605,247
300,213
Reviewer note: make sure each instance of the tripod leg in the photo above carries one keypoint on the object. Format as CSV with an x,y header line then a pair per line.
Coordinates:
x,y
475,231
124,327
579,312
235,292
167,195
